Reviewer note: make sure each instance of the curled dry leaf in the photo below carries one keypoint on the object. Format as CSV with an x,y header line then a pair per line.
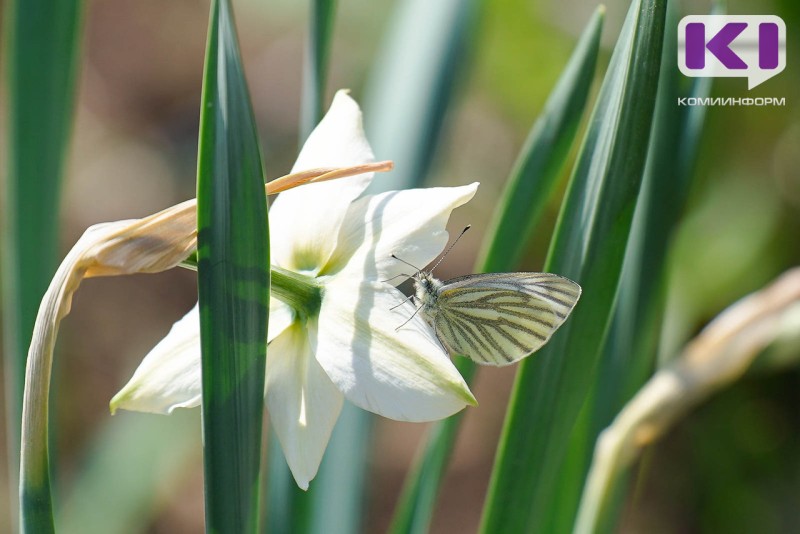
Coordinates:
x,y
717,357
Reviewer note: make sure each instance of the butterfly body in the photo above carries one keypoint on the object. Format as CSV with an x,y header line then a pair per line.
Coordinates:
x,y
495,318
427,290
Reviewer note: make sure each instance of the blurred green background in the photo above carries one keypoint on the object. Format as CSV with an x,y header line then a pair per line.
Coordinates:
x,y
732,466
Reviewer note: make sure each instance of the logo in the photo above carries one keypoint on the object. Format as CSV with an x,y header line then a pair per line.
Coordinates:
x,y
732,46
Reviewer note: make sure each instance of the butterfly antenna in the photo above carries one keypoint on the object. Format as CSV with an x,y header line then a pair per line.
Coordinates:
x,y
464,231
398,276
412,266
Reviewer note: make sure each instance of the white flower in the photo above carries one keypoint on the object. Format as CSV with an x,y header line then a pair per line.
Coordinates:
x,y
332,329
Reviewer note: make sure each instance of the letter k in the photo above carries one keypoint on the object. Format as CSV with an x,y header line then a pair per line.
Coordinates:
x,y
719,45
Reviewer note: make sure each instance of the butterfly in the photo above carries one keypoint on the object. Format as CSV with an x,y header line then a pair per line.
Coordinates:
x,y
495,318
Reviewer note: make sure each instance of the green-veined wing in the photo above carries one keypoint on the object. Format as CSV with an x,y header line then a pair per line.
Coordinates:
x,y
499,318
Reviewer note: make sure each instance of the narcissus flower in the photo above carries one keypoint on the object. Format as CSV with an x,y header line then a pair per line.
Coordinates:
x,y
334,313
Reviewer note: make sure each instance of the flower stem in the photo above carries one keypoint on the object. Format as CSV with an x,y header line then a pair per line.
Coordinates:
x,y
302,293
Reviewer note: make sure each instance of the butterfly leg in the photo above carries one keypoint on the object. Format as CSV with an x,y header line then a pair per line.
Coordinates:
x,y
409,319
410,297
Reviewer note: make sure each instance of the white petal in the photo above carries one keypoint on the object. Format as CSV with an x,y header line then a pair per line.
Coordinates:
x,y
338,140
169,377
306,220
403,375
302,402
410,224
281,316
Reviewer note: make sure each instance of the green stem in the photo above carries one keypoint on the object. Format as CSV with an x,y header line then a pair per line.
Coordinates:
x,y
300,292
303,293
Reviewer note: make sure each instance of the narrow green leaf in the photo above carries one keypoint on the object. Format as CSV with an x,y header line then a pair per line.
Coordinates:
x,y
338,499
41,54
413,82
633,336
588,246
629,351
282,513
542,157
233,283
529,186
318,49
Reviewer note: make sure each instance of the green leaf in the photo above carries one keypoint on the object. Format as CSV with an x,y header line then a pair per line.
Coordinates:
x,y
338,496
41,55
318,50
412,85
629,351
283,513
528,188
233,283
630,348
588,246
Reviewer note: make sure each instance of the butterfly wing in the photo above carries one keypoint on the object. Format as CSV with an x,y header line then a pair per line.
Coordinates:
x,y
499,318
